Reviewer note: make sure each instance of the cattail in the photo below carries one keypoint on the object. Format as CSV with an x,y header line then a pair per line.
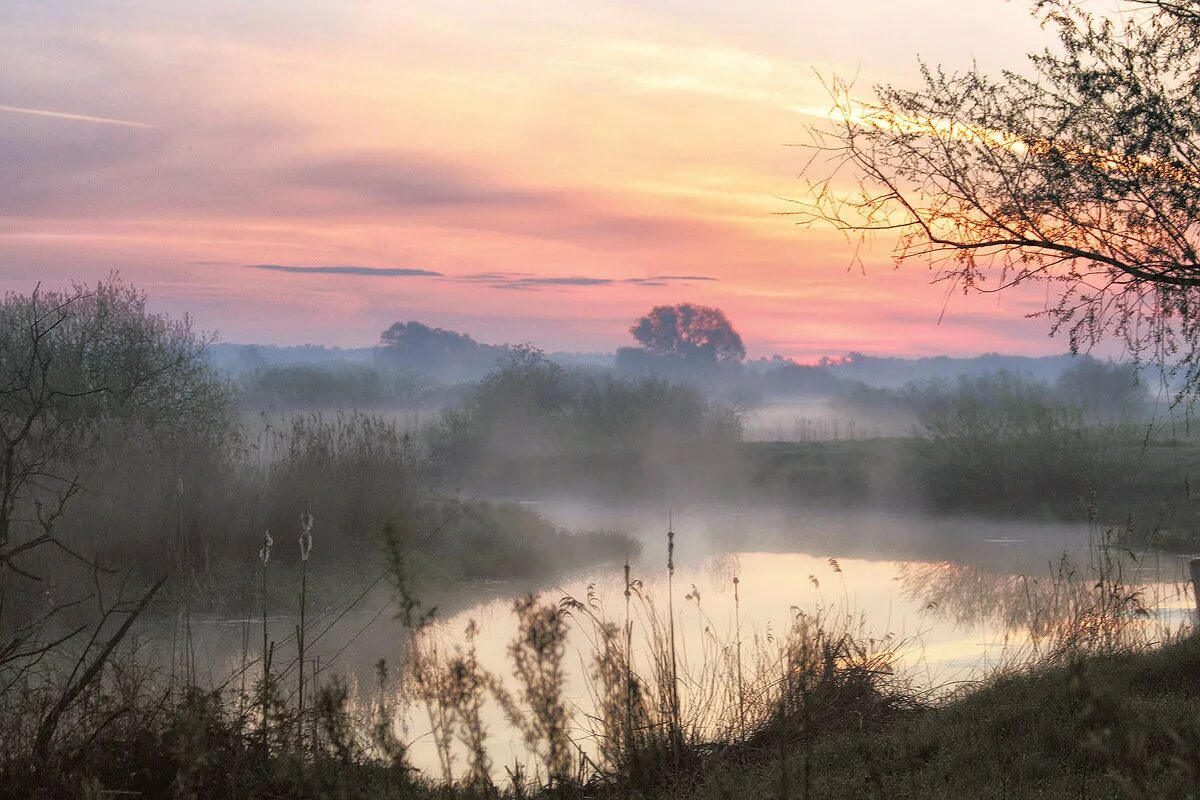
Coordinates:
x,y
737,615
676,732
264,555
306,524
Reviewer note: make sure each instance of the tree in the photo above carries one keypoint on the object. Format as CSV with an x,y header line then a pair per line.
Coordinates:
x,y
691,332
1105,391
445,354
419,337
1083,173
82,371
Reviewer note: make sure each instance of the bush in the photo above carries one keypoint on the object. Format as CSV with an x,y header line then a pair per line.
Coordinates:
x,y
534,424
99,399
332,386
1000,442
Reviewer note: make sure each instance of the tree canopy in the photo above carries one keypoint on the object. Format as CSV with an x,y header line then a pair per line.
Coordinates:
x,y
417,336
438,352
80,371
691,332
1082,172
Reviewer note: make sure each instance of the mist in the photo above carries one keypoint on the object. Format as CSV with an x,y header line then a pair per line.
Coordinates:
x,y
267,508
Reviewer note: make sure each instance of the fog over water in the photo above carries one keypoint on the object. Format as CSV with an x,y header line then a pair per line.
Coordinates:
x,y
950,595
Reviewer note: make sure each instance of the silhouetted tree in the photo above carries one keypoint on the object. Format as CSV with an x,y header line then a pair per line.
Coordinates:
x,y
437,351
78,366
416,336
1084,173
691,332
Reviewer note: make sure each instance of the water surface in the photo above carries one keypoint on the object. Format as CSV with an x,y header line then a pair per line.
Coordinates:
x,y
954,598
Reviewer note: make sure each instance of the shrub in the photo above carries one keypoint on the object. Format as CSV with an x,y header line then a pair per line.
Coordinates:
x,y
1004,443
533,423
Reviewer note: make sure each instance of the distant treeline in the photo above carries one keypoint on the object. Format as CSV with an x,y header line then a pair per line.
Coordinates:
x,y
1095,391
419,366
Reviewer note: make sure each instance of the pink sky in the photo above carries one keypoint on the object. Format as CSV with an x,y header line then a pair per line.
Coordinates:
x,y
561,167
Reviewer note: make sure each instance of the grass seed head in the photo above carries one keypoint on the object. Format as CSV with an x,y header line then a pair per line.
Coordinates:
x,y
306,524
264,555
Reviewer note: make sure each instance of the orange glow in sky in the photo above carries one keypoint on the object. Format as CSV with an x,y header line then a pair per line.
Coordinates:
x,y
522,171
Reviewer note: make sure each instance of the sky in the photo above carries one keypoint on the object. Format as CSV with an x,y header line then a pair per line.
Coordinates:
x,y
314,170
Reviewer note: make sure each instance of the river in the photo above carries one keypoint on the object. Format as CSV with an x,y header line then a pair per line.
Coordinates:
x,y
952,599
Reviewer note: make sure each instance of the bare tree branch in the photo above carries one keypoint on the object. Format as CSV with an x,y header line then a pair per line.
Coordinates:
x,y
1083,172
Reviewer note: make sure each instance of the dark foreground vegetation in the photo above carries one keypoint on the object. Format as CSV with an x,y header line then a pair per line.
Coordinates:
x,y
1123,725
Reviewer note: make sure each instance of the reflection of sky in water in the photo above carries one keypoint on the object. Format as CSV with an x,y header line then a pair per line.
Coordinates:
x,y
949,621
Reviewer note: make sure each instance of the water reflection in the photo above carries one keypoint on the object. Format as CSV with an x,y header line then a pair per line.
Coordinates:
x,y
944,619
1115,593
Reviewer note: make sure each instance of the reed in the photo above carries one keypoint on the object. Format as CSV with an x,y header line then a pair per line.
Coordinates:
x,y
305,544
264,556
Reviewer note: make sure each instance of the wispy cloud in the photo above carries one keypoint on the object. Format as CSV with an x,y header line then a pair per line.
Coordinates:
x,y
370,272
406,180
495,280
67,115
521,280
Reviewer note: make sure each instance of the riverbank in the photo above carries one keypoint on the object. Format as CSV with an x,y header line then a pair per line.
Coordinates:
x,y
1139,485
1122,724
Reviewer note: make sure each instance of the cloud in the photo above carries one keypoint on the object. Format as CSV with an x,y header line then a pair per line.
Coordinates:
x,y
420,186
494,280
67,115
373,272
405,180
524,280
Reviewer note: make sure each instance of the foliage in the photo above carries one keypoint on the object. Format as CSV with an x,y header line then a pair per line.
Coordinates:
x,y
1120,725
444,354
784,378
79,371
1115,726
1004,438
690,332
332,386
492,541
115,409
1103,391
82,372
531,412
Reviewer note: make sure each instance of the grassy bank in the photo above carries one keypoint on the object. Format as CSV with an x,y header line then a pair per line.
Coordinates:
x,y
1123,725
1144,487
448,542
